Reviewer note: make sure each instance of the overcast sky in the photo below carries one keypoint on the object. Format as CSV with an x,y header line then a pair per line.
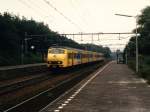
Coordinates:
x,y
85,15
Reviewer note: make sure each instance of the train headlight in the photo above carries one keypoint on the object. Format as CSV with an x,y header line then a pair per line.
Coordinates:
x,y
59,62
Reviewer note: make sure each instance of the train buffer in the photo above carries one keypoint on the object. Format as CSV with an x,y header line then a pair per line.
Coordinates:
x,y
113,88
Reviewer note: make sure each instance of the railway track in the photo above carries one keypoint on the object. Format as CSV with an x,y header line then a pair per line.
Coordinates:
x,y
38,101
13,72
30,80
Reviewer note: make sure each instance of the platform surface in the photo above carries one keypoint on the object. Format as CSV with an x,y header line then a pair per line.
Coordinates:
x,y
114,89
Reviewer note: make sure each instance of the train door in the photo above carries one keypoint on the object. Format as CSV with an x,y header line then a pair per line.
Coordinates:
x,y
70,59
78,58
82,58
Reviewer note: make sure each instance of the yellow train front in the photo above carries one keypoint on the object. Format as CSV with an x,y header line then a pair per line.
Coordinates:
x,y
63,57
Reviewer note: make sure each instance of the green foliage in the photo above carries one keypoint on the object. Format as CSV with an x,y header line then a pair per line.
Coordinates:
x,y
9,40
144,37
144,69
143,43
144,66
131,63
12,31
33,58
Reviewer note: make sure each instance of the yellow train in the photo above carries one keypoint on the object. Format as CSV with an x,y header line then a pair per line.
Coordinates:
x,y
63,57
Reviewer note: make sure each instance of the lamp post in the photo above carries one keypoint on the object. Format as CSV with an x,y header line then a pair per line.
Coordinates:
x,y
22,53
24,48
126,55
137,63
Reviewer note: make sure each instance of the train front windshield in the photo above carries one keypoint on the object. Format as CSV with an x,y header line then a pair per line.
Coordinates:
x,y
57,51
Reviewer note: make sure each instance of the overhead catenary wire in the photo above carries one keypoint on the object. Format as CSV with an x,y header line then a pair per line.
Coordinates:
x,y
37,9
73,34
68,19
80,18
30,6
41,9
27,5
92,37
117,44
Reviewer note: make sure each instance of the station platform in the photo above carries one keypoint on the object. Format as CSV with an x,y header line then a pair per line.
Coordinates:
x,y
112,88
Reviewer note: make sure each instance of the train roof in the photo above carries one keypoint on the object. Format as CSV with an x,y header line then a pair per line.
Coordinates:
x,y
69,48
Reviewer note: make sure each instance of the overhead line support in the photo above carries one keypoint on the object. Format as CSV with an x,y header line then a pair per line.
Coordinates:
x,y
73,34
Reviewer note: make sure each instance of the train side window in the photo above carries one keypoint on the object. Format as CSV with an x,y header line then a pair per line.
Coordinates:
x,y
75,55
70,55
78,56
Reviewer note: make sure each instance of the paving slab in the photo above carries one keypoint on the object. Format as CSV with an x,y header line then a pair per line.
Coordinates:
x,y
114,88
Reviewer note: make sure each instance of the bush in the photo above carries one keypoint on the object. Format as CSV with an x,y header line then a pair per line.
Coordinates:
x,y
147,60
33,58
145,71
131,63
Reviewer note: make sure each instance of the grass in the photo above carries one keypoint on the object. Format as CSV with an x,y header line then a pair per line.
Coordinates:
x,y
144,66
32,58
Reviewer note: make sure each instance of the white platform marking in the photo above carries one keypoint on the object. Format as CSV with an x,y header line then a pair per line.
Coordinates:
x,y
75,93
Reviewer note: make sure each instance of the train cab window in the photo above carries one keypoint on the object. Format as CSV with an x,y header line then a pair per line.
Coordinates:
x,y
56,51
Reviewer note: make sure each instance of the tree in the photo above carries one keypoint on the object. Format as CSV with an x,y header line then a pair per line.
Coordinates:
x,y
13,29
144,37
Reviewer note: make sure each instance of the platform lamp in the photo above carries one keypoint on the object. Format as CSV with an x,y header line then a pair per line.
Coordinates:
x,y
136,38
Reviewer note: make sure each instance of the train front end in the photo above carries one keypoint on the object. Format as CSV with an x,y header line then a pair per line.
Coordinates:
x,y
56,58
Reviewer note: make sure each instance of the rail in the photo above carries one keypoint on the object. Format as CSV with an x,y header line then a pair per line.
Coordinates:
x,y
21,66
